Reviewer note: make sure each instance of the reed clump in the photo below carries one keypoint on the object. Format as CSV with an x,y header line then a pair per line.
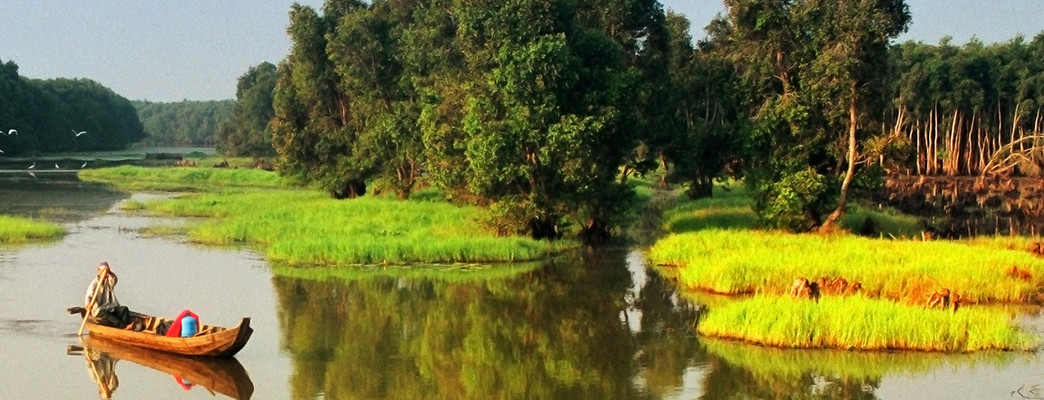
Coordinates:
x,y
25,230
733,262
861,323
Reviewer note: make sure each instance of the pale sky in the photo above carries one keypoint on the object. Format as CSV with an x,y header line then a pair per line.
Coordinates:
x,y
197,49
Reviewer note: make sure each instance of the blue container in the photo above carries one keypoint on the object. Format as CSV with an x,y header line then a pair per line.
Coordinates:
x,y
189,326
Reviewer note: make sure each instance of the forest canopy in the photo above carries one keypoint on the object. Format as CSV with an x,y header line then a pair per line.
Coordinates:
x,y
542,110
44,116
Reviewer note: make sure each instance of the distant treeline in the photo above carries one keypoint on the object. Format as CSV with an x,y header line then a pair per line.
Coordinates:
x,y
44,116
183,123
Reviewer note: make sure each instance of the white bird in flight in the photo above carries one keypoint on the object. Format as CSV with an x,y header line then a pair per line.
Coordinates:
x,y
78,133
84,164
56,166
12,132
33,166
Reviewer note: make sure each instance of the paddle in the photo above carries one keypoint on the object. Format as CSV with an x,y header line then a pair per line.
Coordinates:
x,y
87,312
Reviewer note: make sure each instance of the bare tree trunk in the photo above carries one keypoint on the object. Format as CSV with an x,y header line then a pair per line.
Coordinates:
x,y
830,224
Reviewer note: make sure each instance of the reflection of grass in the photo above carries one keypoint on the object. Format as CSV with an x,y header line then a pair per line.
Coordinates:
x,y
770,363
861,323
24,230
729,261
452,273
309,228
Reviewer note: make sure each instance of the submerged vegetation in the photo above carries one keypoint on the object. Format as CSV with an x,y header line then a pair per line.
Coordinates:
x,y
24,230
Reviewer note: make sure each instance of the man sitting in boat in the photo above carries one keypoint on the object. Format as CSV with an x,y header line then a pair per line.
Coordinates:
x,y
101,302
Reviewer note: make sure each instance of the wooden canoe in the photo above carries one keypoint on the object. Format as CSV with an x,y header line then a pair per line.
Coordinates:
x,y
224,376
211,341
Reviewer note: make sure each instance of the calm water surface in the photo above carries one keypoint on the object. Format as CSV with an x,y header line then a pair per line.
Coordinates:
x,y
593,326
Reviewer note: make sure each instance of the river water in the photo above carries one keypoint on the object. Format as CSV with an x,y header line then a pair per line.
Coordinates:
x,y
588,326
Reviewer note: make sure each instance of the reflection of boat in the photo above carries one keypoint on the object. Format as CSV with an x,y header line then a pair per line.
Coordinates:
x,y
224,376
210,341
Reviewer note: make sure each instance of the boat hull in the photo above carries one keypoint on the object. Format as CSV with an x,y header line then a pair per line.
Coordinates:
x,y
212,341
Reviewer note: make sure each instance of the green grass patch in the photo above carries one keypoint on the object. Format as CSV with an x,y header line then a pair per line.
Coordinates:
x,y
728,208
24,230
731,261
861,323
309,228
888,223
184,178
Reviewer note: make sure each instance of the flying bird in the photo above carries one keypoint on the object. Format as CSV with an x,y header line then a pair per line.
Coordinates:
x,y
33,166
1,152
12,132
84,164
78,133
56,166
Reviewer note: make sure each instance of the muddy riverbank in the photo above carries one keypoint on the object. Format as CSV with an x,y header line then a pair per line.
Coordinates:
x,y
964,206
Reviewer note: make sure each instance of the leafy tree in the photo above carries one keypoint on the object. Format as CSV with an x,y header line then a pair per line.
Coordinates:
x,y
246,132
813,67
315,127
542,115
368,56
699,137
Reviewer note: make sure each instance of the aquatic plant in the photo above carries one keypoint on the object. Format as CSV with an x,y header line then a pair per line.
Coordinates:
x,y
862,323
730,261
191,179
309,228
24,230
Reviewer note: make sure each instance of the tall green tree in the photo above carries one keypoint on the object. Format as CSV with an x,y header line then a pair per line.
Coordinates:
x,y
699,138
542,115
368,53
246,132
315,128
814,68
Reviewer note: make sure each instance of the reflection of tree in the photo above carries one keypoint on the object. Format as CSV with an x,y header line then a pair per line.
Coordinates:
x,y
102,368
666,342
550,333
726,381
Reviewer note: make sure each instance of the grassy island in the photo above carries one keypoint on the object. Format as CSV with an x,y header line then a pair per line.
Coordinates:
x,y
861,323
24,230
306,227
714,246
